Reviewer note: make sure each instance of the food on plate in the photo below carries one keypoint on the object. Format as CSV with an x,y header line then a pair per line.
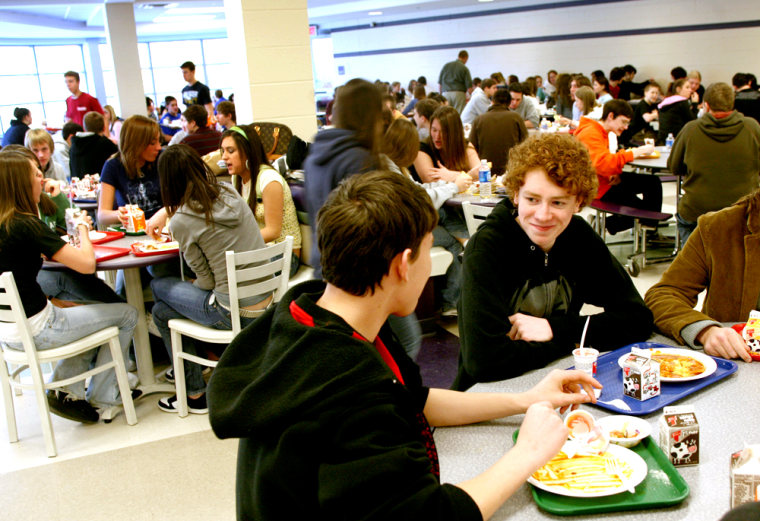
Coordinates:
x,y
625,432
584,473
678,366
151,246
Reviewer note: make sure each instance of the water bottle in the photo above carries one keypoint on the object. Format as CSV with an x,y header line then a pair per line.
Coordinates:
x,y
484,176
669,141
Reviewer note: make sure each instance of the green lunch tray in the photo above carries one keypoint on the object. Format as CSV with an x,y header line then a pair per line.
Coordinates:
x,y
118,228
664,486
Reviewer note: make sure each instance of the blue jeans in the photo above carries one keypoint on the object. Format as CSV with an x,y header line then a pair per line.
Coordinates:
x,y
65,325
78,287
453,287
175,298
685,229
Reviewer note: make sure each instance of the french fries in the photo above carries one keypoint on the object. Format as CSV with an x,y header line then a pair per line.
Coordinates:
x,y
582,473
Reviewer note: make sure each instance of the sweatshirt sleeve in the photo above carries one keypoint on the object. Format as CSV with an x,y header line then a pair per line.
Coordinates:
x,y
672,300
605,163
487,354
194,256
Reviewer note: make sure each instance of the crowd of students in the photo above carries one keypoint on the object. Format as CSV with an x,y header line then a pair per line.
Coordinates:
x,y
321,387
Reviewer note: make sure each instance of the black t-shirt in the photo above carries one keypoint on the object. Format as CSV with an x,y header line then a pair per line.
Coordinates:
x,y
196,94
21,244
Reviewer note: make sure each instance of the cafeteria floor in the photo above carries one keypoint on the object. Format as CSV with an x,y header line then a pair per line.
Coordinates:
x,y
164,467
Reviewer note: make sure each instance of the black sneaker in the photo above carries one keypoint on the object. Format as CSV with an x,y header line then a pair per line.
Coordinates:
x,y
65,406
169,375
194,405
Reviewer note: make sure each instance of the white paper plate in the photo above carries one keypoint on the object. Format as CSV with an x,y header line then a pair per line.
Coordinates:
x,y
710,365
635,461
94,236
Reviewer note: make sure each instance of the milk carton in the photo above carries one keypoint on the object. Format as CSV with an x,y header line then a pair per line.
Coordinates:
x,y
135,219
641,375
679,435
745,475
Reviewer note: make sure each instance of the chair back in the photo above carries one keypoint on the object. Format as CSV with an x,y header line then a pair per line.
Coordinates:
x,y
475,215
12,311
257,272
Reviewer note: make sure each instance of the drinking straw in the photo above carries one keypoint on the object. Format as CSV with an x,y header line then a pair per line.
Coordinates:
x,y
583,335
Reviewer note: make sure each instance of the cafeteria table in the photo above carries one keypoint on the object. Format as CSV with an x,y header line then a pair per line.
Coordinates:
x,y
727,412
133,286
458,199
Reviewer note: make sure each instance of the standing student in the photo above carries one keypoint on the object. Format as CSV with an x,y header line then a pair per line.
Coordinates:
x,y
24,239
333,419
79,103
208,219
195,92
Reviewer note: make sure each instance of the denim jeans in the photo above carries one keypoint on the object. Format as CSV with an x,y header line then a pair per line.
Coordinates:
x,y
685,229
66,325
453,287
78,287
175,298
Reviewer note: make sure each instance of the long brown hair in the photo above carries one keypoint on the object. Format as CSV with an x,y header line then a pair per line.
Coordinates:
x,y
185,179
137,133
401,143
359,107
16,178
47,206
252,153
453,151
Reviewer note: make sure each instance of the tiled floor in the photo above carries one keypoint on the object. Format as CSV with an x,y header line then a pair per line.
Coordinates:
x,y
164,467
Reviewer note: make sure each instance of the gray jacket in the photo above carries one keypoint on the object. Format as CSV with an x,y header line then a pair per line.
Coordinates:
x,y
233,227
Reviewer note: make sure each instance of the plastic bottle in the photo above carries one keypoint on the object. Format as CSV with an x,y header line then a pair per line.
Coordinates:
x,y
669,141
484,176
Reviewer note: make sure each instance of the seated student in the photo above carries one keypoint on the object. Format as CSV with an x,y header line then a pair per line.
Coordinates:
x,y
616,186
264,189
113,123
19,127
643,114
712,260
167,122
419,95
225,115
199,136
130,177
208,219
532,266
585,104
747,99
601,86
92,148
62,142
423,111
24,239
479,101
494,133
62,285
38,140
330,410
675,110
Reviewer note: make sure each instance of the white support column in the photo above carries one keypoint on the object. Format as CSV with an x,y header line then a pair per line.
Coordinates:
x,y
121,34
271,54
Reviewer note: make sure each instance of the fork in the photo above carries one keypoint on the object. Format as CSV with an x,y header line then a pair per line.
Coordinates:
x,y
614,467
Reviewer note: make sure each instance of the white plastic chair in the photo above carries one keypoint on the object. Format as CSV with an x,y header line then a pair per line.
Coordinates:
x,y
12,310
240,279
475,215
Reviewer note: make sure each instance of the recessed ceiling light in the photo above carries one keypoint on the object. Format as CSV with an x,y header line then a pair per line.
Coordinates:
x,y
485,0
375,13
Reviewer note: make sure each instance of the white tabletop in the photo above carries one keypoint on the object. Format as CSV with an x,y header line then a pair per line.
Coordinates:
x,y
658,163
728,412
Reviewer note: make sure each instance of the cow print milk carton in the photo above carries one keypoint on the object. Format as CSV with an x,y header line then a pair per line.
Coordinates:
x,y
745,476
679,435
641,375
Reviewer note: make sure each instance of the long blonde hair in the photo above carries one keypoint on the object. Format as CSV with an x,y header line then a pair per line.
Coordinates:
x,y
137,133
16,178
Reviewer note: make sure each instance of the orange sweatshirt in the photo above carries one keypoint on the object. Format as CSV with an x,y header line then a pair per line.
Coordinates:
x,y
592,134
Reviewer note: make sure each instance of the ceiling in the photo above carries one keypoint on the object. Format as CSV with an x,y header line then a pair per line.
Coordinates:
x,y
41,20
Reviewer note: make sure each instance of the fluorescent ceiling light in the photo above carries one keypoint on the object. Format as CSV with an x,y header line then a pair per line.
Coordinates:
x,y
375,13
164,19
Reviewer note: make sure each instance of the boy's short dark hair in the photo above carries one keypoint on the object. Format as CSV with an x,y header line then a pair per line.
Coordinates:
x,y
739,80
677,73
487,83
70,129
169,99
368,220
197,114
502,97
426,107
628,68
516,87
617,107
218,93
188,65
148,102
72,74
227,108
617,74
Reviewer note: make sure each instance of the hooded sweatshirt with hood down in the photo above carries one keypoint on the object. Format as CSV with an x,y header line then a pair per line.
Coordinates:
x,y
674,112
327,431
335,155
89,152
232,227
720,159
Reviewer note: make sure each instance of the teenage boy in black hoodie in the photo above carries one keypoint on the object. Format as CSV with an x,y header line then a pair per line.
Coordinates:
x,y
333,419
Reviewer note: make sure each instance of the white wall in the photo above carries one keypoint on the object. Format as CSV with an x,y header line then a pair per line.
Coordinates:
x,y
717,54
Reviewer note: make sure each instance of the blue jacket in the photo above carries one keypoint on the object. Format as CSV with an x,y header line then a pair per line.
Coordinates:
x,y
334,156
15,134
